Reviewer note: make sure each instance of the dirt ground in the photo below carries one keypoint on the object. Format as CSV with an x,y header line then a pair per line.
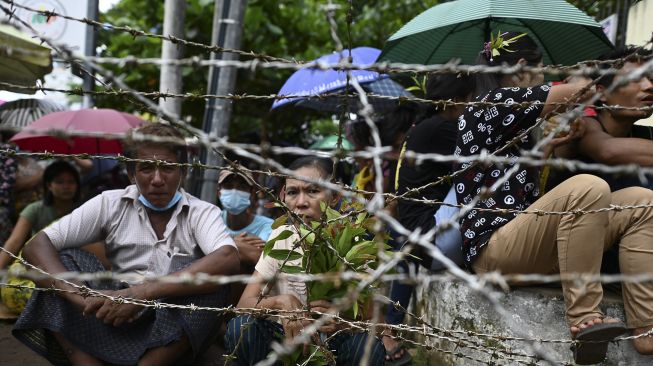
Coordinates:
x,y
12,352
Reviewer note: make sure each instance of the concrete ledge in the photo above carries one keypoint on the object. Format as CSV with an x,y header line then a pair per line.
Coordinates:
x,y
536,312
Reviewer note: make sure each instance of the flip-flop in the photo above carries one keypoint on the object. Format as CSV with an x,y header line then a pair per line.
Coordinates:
x,y
594,342
405,359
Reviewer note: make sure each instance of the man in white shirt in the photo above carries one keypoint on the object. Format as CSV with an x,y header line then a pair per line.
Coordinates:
x,y
152,227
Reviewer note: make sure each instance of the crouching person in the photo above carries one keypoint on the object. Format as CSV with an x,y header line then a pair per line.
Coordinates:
x,y
249,339
152,227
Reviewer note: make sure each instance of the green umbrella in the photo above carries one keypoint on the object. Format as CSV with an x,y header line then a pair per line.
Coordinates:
x,y
458,29
330,143
23,60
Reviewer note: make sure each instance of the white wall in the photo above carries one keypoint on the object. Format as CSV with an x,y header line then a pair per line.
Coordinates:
x,y
640,29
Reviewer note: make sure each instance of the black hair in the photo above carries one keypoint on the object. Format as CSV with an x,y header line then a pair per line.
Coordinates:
x,y
449,86
52,172
522,48
627,54
131,146
323,165
397,122
391,126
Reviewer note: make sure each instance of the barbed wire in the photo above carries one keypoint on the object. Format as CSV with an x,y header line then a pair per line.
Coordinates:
x,y
375,206
438,103
141,33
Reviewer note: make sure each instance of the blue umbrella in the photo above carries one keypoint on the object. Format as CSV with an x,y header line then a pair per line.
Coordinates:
x,y
314,82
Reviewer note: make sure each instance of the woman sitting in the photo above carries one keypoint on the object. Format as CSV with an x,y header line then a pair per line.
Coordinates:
x,y
60,196
248,338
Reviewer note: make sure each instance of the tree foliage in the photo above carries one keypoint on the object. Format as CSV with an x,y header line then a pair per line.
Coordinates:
x,y
293,29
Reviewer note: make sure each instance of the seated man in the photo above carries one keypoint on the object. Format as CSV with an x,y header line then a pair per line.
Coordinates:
x,y
152,227
250,231
608,137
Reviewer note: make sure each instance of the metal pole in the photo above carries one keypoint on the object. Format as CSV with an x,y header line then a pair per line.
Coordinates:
x,y
89,50
170,80
227,32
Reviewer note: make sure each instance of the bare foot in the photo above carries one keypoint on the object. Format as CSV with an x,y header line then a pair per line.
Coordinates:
x,y
392,345
643,345
590,322
75,355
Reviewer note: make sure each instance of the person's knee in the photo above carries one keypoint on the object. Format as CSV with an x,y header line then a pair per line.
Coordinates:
x,y
589,186
235,328
591,183
634,195
357,343
233,331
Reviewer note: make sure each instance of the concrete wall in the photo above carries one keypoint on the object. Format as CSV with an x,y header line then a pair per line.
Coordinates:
x,y
538,313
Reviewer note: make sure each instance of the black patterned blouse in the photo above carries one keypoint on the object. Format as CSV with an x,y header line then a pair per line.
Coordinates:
x,y
490,128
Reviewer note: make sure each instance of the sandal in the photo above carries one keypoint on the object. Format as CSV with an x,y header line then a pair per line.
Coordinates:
x,y
405,359
594,342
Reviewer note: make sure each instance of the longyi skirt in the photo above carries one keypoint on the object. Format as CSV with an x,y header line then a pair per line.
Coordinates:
x,y
46,312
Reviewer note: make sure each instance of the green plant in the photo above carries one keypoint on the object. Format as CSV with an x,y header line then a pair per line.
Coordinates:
x,y
338,242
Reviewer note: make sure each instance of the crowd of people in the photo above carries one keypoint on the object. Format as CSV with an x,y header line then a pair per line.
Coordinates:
x,y
151,226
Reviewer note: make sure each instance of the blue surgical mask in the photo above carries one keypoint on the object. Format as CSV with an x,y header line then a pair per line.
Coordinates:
x,y
234,201
149,204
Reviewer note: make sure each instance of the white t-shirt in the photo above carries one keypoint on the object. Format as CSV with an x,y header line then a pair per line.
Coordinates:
x,y
268,266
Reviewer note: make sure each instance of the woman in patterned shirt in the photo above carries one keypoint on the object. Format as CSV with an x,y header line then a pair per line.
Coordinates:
x,y
497,237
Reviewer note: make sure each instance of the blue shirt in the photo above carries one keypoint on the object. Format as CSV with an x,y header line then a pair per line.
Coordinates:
x,y
261,226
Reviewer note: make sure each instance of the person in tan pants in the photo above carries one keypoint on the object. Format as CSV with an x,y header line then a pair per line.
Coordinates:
x,y
497,236
548,244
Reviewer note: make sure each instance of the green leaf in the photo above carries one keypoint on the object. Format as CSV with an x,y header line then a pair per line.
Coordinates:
x,y
292,269
344,242
270,243
308,236
355,309
332,214
360,218
284,254
281,220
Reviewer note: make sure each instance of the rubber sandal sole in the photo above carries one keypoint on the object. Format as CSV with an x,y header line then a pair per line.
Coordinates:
x,y
592,353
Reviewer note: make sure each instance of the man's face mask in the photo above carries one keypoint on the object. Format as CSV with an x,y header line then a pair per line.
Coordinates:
x,y
234,201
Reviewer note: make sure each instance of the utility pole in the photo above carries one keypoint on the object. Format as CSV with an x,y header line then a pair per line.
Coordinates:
x,y
89,50
227,32
170,80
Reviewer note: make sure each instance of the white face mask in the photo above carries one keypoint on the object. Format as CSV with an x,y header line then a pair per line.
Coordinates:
x,y
234,201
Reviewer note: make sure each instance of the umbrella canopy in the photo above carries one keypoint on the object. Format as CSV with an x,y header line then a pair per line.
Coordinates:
x,y
23,60
36,136
331,143
383,87
313,82
458,29
20,113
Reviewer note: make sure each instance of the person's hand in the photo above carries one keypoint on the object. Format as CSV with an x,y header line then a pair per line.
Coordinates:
x,y
576,131
323,306
112,312
292,327
249,247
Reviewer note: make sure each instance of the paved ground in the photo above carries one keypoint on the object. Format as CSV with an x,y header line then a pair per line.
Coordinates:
x,y
14,353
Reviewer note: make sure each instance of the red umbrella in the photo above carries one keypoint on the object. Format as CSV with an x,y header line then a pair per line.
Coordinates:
x,y
112,124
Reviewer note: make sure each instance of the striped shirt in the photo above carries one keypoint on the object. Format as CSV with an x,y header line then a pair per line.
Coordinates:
x,y
117,217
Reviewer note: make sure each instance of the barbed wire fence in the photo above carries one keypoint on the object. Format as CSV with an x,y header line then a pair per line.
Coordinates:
x,y
488,286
